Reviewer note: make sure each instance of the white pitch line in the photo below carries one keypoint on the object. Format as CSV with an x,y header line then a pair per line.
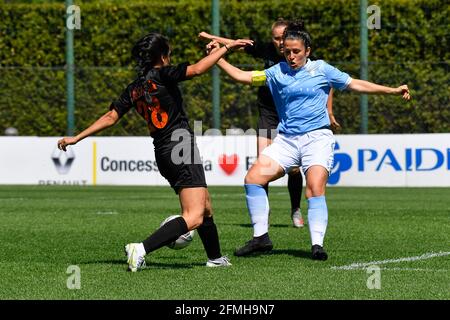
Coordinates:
x,y
107,212
362,265
415,269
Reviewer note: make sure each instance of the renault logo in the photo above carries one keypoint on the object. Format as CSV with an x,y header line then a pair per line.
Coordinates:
x,y
63,160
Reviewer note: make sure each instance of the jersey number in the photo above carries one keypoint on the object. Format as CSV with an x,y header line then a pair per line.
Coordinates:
x,y
152,112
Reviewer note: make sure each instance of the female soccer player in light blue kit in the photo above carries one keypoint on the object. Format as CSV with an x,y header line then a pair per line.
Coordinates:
x,y
300,89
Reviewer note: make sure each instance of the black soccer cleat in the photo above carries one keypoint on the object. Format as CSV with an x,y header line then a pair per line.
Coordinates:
x,y
256,245
318,253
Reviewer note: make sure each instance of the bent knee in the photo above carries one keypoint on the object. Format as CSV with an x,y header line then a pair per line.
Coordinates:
x,y
314,192
248,180
193,220
253,177
208,213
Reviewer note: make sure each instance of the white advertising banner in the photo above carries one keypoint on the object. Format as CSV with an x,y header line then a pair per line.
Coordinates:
x,y
360,160
392,160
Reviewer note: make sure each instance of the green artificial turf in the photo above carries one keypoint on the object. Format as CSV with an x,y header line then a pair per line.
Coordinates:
x,y
45,230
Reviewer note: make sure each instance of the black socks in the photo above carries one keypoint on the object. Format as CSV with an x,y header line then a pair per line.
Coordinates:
x,y
210,238
176,227
295,184
165,234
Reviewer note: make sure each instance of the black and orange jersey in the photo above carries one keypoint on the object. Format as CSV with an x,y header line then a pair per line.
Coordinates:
x,y
158,100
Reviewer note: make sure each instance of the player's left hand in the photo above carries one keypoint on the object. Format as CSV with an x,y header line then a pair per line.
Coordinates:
x,y
335,126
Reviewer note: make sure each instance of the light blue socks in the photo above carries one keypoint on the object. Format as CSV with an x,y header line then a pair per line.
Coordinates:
x,y
317,219
258,208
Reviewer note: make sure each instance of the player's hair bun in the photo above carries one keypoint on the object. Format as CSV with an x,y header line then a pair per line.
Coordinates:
x,y
296,30
148,50
296,25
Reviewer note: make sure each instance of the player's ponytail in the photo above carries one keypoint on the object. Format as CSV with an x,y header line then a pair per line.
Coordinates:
x,y
296,30
148,50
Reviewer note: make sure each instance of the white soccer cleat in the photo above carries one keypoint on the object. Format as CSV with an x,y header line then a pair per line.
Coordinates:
x,y
135,253
297,219
219,262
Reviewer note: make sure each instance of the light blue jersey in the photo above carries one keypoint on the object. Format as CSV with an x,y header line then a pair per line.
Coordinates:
x,y
301,95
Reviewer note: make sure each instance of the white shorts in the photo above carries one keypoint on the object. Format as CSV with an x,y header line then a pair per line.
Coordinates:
x,y
306,150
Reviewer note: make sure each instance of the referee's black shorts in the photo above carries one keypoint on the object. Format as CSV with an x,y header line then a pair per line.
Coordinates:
x,y
180,163
267,122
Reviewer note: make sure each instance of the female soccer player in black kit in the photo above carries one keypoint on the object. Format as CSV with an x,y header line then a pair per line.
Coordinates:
x,y
272,53
155,95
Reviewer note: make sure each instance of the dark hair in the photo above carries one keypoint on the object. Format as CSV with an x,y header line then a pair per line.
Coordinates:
x,y
280,22
148,50
296,30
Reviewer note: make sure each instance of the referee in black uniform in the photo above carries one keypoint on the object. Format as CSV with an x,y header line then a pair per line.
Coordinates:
x,y
155,95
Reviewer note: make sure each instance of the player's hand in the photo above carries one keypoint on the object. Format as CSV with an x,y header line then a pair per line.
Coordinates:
x,y
239,43
335,126
66,141
404,91
211,47
205,35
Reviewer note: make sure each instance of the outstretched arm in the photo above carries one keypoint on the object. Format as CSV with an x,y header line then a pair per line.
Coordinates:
x,y
363,86
208,36
221,40
235,73
107,120
207,62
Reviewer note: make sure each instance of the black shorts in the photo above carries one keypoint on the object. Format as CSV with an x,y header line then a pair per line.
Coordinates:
x,y
267,122
180,163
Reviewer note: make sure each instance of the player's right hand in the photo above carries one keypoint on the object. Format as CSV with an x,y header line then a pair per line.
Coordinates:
x,y
66,141
212,47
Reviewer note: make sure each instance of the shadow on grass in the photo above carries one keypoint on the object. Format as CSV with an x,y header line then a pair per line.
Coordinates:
x,y
150,264
249,225
295,253
159,265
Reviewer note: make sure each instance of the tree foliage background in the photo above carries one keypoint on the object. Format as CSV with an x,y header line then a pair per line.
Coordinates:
x,y
411,47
